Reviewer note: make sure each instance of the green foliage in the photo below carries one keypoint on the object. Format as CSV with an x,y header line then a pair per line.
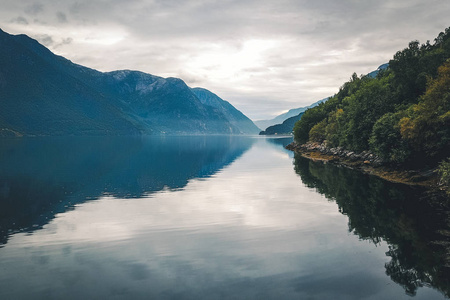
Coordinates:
x,y
362,109
314,115
427,126
317,133
386,140
333,129
444,172
309,119
403,114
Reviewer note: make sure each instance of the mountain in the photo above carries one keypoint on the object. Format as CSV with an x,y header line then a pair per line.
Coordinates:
x,y
241,123
281,118
374,74
45,94
296,113
284,128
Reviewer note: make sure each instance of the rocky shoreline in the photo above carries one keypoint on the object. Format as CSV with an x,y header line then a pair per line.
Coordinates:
x,y
367,162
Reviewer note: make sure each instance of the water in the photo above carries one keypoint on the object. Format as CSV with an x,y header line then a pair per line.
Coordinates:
x,y
208,218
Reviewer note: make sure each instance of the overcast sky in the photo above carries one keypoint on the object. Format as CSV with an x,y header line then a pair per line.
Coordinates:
x,y
263,56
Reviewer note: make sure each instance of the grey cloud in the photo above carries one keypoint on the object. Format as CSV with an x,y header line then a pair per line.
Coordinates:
x,y
20,20
190,79
34,9
45,40
67,41
64,41
75,8
39,22
62,18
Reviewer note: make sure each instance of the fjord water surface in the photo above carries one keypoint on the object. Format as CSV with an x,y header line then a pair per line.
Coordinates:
x,y
213,217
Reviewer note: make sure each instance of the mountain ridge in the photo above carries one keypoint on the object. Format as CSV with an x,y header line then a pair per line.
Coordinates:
x,y
284,128
236,117
45,94
263,124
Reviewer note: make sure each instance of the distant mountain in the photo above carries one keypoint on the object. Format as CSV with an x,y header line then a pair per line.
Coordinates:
x,y
241,123
277,125
374,74
284,128
45,94
281,118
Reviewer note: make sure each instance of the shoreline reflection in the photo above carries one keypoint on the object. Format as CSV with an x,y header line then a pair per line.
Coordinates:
x,y
413,222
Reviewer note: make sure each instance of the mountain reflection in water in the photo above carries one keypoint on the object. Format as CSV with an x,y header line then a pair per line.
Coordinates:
x,y
40,177
414,223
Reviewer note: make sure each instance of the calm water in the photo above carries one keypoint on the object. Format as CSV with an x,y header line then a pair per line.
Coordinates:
x,y
208,218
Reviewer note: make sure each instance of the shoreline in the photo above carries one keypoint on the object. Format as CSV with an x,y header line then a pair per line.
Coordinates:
x,y
368,163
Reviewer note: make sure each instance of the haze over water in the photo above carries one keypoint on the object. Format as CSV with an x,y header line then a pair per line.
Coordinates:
x,y
206,218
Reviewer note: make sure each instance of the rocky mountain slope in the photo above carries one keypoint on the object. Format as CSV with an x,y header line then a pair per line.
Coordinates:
x,y
45,94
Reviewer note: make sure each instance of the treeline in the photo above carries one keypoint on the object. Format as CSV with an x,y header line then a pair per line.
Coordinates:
x,y
402,115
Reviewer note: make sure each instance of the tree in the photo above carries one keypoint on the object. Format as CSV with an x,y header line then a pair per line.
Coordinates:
x,y
386,140
362,109
333,129
427,127
317,133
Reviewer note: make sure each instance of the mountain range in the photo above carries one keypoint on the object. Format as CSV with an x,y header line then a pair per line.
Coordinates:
x,y
45,94
263,124
284,128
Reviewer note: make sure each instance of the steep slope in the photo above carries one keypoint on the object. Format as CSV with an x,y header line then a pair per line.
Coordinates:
x,y
241,123
284,128
281,118
45,94
163,103
38,99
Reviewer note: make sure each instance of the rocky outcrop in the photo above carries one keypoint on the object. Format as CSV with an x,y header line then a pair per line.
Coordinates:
x,y
369,163
366,157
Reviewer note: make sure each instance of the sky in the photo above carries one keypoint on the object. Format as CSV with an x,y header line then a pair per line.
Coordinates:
x,y
263,56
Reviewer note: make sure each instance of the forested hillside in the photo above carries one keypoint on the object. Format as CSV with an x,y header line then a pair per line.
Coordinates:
x,y
283,128
402,114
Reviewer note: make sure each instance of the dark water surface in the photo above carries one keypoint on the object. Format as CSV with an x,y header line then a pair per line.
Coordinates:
x,y
208,218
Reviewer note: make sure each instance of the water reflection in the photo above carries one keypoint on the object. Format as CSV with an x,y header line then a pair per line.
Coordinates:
x,y
251,230
413,223
282,141
44,176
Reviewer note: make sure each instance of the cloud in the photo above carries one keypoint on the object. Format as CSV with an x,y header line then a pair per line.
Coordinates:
x,y
45,40
34,9
64,41
20,20
62,18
